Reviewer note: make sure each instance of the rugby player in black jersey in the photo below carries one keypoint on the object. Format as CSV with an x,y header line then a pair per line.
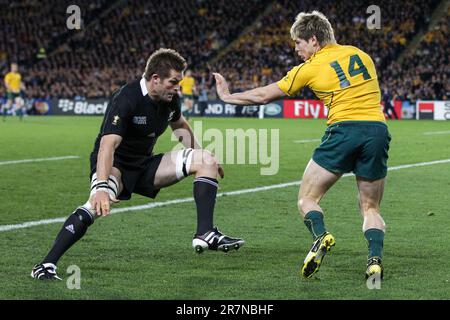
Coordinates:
x,y
123,162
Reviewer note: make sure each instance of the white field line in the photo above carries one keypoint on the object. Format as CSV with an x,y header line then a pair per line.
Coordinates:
x,y
2,163
24,225
306,140
436,132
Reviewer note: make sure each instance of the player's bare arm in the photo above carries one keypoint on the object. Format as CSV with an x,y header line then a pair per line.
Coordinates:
x,y
260,95
101,199
184,133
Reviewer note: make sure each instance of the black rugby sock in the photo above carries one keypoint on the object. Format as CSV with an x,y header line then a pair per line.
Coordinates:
x,y
205,191
73,229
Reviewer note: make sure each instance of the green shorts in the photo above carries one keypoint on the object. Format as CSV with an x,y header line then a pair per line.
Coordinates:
x,y
360,147
12,95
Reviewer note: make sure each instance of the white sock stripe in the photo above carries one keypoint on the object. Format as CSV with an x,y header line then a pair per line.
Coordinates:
x,y
206,181
87,211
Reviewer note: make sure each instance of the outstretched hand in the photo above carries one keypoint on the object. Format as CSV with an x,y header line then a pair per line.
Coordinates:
x,y
221,86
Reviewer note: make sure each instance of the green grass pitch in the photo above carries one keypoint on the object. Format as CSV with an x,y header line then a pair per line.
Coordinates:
x,y
147,254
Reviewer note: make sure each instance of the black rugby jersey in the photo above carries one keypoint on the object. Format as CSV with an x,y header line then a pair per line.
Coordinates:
x,y
138,119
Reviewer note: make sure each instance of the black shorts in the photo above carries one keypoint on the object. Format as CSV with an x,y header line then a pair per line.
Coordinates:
x,y
138,175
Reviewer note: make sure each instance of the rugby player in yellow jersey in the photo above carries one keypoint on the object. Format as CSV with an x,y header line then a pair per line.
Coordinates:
x,y
187,91
13,83
356,139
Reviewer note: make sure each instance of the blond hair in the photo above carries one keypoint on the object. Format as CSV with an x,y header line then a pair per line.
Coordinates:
x,y
308,24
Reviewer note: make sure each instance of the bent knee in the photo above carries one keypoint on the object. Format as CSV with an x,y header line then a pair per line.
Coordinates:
x,y
306,205
204,159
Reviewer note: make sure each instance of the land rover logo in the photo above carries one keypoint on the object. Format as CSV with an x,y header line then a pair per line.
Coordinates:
x,y
272,109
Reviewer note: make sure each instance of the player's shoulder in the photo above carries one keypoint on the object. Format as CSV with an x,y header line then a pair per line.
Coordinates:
x,y
302,66
175,103
127,95
354,49
130,90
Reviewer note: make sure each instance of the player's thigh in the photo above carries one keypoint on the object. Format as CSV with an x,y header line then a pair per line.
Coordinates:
x,y
174,166
372,161
316,181
115,183
370,192
338,149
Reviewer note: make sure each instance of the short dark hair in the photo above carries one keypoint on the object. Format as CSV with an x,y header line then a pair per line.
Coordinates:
x,y
162,61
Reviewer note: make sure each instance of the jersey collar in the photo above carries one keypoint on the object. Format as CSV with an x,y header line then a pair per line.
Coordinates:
x,y
328,46
143,87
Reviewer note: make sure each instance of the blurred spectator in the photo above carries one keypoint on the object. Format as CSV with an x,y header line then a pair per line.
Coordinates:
x,y
388,102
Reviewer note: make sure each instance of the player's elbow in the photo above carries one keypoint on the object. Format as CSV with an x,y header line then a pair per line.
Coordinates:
x,y
265,95
110,142
262,99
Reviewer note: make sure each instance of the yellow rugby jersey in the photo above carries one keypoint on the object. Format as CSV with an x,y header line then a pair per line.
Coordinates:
x,y
14,80
187,83
344,78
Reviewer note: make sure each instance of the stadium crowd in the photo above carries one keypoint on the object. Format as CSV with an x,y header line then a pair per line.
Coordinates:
x,y
425,72
97,60
117,37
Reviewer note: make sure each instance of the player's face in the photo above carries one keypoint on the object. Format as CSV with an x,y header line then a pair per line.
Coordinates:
x,y
14,67
169,86
305,49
